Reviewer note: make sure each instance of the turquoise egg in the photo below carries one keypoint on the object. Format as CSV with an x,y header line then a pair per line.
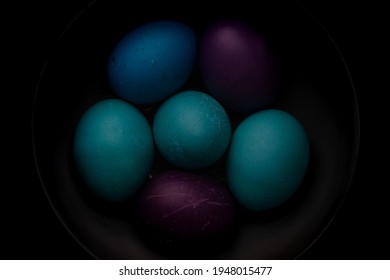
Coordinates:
x,y
267,159
152,62
113,149
191,130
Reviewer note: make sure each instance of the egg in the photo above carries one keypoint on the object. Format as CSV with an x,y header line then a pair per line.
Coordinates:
x,y
267,159
182,205
238,66
191,130
152,62
113,149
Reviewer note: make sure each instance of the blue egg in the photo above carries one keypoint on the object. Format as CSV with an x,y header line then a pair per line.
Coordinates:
x,y
152,62
267,159
113,149
191,130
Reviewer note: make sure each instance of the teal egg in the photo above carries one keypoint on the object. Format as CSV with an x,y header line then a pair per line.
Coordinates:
x,y
191,130
152,61
267,159
113,149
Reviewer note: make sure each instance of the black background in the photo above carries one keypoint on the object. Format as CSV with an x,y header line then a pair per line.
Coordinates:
x,y
29,228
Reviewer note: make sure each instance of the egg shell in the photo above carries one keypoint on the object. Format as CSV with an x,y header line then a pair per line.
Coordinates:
x,y
182,205
238,67
113,149
267,160
191,130
152,62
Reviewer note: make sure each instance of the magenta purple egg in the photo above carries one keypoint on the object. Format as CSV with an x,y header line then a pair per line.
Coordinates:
x,y
181,205
238,66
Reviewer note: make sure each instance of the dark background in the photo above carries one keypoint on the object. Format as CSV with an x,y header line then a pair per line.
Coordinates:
x,y
29,228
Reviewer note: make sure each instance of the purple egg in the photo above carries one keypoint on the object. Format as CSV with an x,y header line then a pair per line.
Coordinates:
x,y
238,67
185,206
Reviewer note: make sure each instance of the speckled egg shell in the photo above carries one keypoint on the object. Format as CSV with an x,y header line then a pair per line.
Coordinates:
x,y
182,205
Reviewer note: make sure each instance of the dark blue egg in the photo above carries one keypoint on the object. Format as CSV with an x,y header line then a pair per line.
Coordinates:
x,y
152,62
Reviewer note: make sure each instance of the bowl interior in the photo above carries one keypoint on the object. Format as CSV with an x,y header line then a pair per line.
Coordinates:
x,y
315,88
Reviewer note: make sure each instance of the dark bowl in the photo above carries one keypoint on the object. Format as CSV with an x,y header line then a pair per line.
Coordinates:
x,y
315,87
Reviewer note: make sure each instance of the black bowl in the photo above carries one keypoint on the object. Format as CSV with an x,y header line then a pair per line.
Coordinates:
x,y
315,87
